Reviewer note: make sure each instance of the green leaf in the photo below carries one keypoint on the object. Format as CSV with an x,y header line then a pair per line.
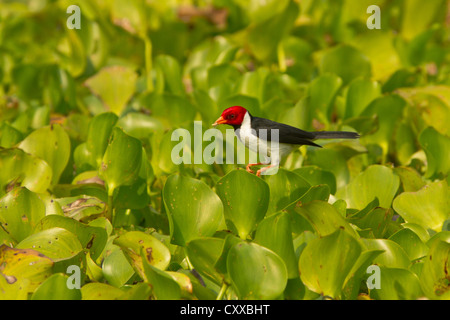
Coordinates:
x,y
20,212
325,262
100,291
203,253
434,278
346,62
323,217
92,238
99,132
397,284
274,233
437,149
164,287
122,160
116,268
256,272
375,182
55,288
285,187
154,252
411,242
56,243
428,207
243,210
22,169
393,256
316,176
322,91
114,85
193,209
360,93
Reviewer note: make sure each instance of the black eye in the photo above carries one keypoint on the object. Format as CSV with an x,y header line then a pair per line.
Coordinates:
x,y
232,116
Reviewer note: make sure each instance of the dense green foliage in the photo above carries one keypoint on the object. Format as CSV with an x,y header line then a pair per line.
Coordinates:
x,y
87,179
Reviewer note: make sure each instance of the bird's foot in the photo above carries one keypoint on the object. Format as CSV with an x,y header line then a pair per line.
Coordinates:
x,y
251,165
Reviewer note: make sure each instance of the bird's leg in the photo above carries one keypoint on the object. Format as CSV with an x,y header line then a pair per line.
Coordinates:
x,y
251,165
258,173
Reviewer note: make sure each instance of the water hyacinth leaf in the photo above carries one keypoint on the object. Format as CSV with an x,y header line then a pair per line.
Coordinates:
x,y
410,179
393,256
243,210
264,37
388,110
325,262
164,287
114,85
274,233
22,271
375,182
193,209
122,160
322,91
285,187
116,268
56,243
360,93
153,250
332,161
55,288
411,242
323,217
397,284
347,62
9,136
171,71
428,207
52,144
20,211
203,253
22,169
139,125
100,291
256,272
99,132
434,276
93,238
316,175
437,149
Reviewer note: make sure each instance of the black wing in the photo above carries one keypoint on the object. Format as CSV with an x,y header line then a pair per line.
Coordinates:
x,y
286,133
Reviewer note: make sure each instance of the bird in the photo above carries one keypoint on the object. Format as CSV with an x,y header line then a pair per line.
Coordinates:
x,y
249,130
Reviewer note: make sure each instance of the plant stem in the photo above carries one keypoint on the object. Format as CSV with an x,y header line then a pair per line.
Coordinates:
x,y
222,291
109,213
148,63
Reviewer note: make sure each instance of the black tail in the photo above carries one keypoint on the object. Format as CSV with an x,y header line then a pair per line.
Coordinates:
x,y
335,135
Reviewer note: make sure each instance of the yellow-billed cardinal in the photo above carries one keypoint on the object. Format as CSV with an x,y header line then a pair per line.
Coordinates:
x,y
248,129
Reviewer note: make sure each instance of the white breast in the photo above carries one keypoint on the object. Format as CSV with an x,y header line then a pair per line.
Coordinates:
x,y
275,151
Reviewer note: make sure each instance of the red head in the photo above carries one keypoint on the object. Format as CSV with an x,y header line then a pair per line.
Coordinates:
x,y
232,116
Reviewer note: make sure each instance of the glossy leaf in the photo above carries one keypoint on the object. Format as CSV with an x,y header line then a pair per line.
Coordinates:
x,y
55,288
428,207
194,210
325,262
22,169
256,272
274,233
375,182
243,210
20,212
285,187
122,160
154,251
114,85
51,144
